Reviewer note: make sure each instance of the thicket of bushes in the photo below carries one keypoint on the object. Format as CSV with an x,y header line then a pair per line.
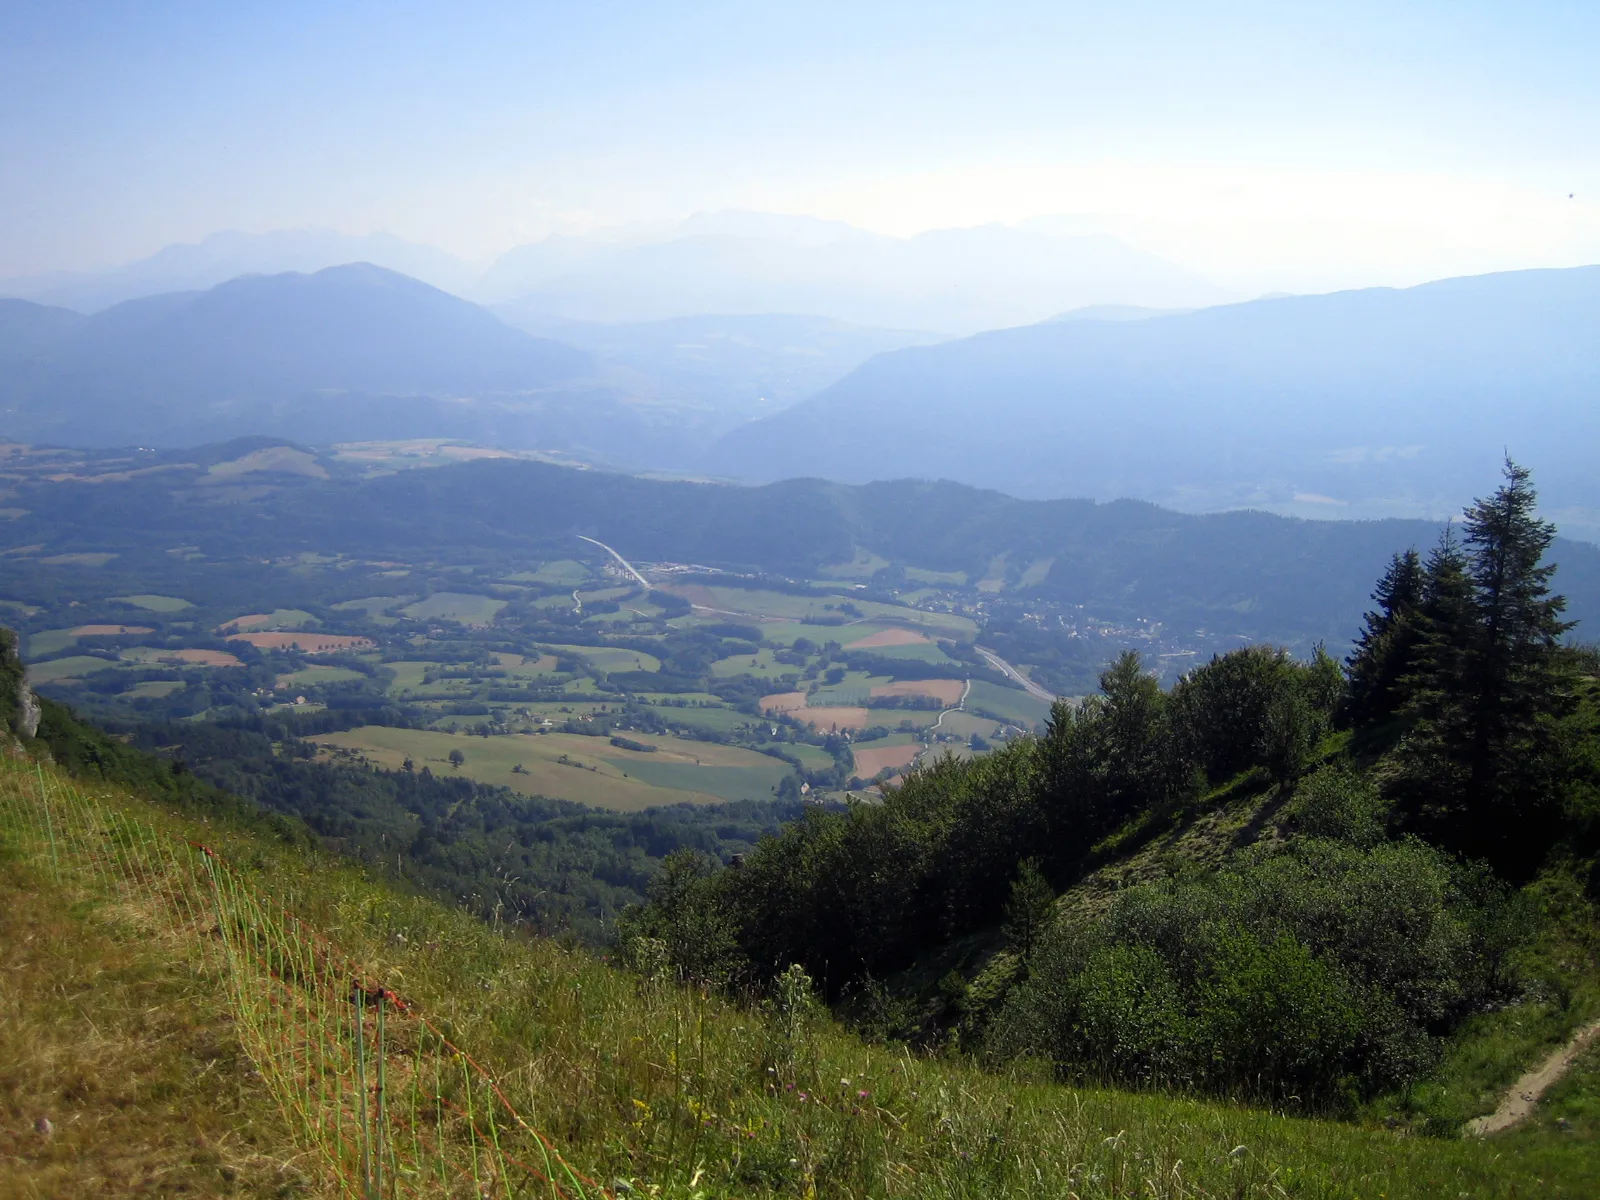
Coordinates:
x,y
1321,972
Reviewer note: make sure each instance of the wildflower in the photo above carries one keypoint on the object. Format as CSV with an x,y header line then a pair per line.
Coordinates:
x,y
863,1094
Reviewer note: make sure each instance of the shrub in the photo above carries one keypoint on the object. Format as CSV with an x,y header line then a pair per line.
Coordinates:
x,y
1320,972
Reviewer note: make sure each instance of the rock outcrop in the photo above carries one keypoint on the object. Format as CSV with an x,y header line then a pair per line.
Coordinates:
x,y
19,707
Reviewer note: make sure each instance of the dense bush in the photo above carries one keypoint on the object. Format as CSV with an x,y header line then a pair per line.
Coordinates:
x,y
1319,973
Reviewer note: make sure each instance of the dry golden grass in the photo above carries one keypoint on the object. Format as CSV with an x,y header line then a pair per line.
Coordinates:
x,y
128,1053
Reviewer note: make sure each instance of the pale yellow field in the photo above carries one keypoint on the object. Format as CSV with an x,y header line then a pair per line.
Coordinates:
x,y
595,772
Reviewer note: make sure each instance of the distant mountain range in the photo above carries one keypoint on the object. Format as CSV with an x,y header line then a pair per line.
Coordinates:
x,y
358,352
1368,403
349,351
227,255
1377,402
953,281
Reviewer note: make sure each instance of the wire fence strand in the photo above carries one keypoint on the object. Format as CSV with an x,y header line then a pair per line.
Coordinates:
x,y
387,1106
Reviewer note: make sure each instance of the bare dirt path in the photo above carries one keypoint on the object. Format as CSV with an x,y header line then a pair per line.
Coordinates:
x,y
1524,1095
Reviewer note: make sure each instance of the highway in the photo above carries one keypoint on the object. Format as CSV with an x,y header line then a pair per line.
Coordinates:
x,y
626,565
1016,676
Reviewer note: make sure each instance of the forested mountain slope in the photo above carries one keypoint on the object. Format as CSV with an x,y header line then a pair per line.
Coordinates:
x,y
1252,574
1377,402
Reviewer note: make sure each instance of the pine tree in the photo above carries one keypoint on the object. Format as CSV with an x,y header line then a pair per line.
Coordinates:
x,y
1030,909
1515,678
1447,629
1385,653
1480,762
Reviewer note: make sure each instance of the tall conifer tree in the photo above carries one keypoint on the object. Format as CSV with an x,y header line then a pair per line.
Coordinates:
x,y
1386,651
1515,677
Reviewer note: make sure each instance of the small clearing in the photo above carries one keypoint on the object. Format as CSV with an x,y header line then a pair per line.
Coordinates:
x,y
1523,1096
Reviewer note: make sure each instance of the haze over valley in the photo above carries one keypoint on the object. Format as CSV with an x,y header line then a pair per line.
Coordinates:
x,y
791,602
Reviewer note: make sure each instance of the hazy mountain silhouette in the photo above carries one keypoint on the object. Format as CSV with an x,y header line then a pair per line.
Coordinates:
x,y
724,370
949,280
229,254
28,329
1373,402
349,351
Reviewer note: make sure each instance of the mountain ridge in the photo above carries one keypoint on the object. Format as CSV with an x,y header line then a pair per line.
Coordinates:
x,y
1378,401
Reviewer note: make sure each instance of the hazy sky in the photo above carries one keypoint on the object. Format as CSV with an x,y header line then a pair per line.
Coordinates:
x,y
1272,145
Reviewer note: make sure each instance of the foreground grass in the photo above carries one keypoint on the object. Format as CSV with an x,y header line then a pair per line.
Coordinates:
x,y
655,1089
130,1058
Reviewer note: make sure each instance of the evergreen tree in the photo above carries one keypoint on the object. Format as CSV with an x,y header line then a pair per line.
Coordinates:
x,y
1479,763
1030,909
1386,650
1515,680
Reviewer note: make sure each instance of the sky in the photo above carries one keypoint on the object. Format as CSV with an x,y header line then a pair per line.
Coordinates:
x,y
1268,146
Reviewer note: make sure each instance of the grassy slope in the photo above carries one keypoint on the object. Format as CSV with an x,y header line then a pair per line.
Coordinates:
x,y
650,1082
128,1054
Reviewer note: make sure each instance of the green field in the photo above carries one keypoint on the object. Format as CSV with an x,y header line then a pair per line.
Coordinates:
x,y
1013,704
560,600
612,658
50,641
813,758
918,575
372,605
152,603
1037,572
928,652
595,772
465,608
717,720
755,782
761,664
518,666
849,692
312,676
565,572
154,689
965,724
75,667
281,618
864,565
